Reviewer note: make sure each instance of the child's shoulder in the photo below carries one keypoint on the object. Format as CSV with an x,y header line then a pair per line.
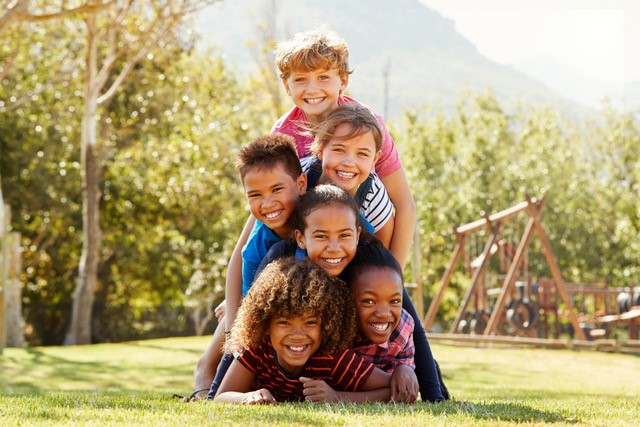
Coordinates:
x,y
404,328
291,118
405,318
261,233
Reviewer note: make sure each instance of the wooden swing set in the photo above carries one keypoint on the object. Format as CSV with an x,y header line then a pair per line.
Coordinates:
x,y
513,262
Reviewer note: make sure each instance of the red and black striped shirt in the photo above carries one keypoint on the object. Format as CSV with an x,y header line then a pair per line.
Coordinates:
x,y
345,371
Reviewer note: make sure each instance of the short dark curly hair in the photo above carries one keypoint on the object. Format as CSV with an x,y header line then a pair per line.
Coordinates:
x,y
268,151
286,288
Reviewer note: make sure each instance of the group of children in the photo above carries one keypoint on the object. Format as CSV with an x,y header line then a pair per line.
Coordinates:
x,y
315,304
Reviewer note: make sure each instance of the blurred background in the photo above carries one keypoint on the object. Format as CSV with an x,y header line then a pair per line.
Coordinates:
x,y
120,121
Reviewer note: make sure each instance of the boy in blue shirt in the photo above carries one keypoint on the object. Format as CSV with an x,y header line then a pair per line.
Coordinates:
x,y
273,181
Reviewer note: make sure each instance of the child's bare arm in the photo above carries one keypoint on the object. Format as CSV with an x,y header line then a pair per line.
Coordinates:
x,y
206,367
400,194
236,388
318,391
404,385
385,234
375,389
233,282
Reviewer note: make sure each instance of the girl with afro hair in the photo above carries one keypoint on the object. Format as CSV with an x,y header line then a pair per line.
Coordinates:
x,y
292,340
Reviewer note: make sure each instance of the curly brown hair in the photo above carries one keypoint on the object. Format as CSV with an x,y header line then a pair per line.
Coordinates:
x,y
286,288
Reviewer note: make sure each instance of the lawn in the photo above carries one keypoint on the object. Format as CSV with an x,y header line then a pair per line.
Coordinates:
x,y
133,384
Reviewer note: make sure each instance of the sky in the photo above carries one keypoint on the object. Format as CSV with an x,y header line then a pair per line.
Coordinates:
x,y
599,38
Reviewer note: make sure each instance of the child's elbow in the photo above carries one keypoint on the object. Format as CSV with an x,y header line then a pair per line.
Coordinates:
x,y
411,207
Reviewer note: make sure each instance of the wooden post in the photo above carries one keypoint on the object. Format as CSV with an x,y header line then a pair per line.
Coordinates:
x,y
557,276
446,278
507,285
479,271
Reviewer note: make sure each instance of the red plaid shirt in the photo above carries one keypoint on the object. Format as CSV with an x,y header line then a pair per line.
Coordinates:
x,y
399,350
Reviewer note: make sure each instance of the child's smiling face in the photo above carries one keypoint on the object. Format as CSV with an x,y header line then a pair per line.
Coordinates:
x,y
348,162
272,195
377,293
330,237
295,340
315,92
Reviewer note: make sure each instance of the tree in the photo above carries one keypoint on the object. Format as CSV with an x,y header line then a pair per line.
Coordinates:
x,y
129,37
173,205
265,81
119,34
481,159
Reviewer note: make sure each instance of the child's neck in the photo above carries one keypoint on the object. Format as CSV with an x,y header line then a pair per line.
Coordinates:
x,y
284,232
314,119
323,180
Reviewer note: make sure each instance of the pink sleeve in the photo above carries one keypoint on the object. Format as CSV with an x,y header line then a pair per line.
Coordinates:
x,y
389,160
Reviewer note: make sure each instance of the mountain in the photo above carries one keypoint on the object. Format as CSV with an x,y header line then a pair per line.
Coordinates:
x,y
427,60
570,83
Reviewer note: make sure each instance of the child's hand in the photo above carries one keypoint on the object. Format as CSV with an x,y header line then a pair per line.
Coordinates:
x,y
259,397
404,385
220,310
318,391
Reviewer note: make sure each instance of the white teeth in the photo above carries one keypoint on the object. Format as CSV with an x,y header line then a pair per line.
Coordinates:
x,y
346,175
297,348
313,100
332,260
379,326
272,215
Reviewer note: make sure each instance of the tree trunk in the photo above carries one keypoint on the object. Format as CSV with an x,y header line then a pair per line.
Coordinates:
x,y
5,220
13,293
199,322
80,329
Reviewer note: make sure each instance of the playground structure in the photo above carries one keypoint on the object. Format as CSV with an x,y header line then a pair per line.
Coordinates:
x,y
600,308
520,306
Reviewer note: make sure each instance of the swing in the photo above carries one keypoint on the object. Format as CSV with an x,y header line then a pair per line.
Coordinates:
x,y
521,313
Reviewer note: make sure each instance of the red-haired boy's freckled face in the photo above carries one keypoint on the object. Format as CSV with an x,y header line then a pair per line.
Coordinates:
x,y
378,298
315,92
330,238
295,340
272,195
348,162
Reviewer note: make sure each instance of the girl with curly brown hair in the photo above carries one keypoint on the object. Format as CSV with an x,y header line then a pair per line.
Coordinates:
x,y
327,230
291,339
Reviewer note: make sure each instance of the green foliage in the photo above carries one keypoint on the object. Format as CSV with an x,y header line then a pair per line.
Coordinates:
x,y
172,206
39,125
132,383
171,201
481,160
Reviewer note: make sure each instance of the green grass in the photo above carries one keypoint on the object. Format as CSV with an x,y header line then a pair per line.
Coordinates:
x,y
133,384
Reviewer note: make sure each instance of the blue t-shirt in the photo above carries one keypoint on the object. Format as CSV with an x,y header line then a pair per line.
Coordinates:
x,y
260,241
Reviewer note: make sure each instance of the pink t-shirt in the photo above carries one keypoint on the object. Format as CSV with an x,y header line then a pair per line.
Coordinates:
x,y
288,124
